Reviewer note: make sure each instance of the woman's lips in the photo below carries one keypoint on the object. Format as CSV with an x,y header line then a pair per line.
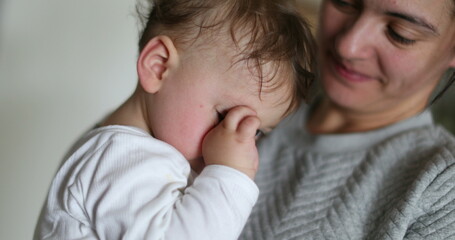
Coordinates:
x,y
349,74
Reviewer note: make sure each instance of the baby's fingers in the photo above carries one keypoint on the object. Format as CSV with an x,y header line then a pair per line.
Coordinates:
x,y
235,116
248,126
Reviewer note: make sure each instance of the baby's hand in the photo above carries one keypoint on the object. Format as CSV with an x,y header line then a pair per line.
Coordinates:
x,y
232,143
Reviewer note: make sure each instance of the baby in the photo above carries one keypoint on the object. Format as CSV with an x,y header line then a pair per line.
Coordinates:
x,y
177,159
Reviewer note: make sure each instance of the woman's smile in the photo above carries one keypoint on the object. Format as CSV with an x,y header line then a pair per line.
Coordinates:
x,y
350,74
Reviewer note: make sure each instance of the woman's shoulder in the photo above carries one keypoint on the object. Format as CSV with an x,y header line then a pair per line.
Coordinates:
x,y
431,137
435,185
428,151
430,148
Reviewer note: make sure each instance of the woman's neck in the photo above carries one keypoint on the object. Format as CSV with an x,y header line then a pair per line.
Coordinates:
x,y
329,118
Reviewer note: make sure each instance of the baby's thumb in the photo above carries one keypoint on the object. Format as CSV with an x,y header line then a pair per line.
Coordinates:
x,y
248,126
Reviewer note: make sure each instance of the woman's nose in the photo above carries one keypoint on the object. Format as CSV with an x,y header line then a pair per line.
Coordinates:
x,y
357,40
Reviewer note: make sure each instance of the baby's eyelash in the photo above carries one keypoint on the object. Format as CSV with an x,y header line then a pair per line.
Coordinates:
x,y
220,116
259,133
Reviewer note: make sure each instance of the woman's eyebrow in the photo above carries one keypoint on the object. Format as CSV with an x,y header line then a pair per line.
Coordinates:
x,y
415,20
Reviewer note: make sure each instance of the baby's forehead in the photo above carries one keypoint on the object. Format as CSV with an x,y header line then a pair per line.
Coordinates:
x,y
272,82
270,77
275,106
275,94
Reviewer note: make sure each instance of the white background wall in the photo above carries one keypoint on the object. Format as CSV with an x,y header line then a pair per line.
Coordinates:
x,y
63,65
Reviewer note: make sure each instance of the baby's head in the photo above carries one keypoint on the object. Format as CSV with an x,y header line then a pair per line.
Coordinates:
x,y
200,58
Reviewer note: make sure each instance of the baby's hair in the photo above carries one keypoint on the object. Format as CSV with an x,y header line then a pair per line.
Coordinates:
x,y
266,31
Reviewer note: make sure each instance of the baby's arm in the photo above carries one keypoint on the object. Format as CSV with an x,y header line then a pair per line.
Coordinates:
x,y
232,143
135,187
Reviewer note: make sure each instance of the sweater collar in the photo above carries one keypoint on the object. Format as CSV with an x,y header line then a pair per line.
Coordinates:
x,y
360,140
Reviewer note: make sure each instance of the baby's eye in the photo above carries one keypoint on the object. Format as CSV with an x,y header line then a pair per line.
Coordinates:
x,y
259,134
262,132
220,116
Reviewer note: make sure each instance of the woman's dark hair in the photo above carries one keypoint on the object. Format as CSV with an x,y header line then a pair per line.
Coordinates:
x,y
450,74
450,80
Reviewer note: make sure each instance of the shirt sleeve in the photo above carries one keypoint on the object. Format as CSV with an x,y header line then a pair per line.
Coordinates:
x,y
437,204
217,204
133,189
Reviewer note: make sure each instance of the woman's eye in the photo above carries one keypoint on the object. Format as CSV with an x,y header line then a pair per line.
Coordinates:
x,y
344,4
341,3
398,38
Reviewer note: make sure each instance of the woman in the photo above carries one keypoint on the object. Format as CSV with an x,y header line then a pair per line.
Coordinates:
x,y
365,161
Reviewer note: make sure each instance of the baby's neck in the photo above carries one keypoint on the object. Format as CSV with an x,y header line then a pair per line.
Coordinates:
x,y
130,113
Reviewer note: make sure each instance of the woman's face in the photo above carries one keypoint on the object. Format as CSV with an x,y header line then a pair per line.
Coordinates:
x,y
379,56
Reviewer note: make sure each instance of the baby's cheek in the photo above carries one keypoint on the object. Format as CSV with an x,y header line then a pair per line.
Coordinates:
x,y
191,139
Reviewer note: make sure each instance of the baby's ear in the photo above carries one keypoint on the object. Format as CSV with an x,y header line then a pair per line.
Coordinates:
x,y
155,61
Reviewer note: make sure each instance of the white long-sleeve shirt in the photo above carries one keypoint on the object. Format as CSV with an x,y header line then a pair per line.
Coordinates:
x,y
121,183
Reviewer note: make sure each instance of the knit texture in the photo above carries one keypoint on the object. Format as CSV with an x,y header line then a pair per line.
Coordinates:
x,y
393,183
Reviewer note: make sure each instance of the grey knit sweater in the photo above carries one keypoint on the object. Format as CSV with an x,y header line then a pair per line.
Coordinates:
x,y
393,183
